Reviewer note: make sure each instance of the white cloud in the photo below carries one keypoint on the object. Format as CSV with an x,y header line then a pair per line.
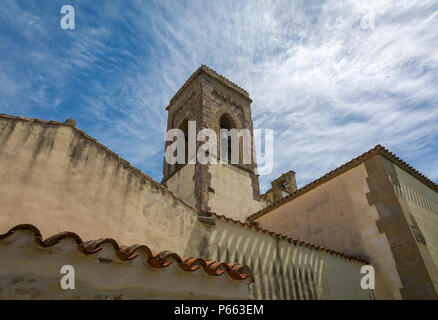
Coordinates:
x,y
330,89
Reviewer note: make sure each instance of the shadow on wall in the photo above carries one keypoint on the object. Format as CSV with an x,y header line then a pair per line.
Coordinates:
x,y
281,270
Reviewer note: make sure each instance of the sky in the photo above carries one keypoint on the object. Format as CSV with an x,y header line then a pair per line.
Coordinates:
x,y
331,78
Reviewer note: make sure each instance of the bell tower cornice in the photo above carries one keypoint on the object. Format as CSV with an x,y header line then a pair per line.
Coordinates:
x,y
203,69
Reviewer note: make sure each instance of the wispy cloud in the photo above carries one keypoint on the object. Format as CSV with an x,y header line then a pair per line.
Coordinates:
x,y
328,87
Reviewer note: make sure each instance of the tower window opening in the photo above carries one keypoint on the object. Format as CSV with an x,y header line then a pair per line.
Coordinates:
x,y
226,122
185,128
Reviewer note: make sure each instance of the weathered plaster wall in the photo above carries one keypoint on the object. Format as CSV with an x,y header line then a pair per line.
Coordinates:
x,y
420,206
56,178
336,214
231,196
283,270
396,224
182,183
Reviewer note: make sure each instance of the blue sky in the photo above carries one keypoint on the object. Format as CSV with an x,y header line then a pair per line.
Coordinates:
x,y
329,87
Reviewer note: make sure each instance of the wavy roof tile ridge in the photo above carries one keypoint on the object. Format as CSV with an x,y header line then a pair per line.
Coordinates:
x,y
159,259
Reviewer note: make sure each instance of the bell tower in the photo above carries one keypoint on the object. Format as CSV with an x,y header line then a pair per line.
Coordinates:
x,y
209,100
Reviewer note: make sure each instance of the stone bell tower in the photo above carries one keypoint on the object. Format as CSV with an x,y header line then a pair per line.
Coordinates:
x,y
214,102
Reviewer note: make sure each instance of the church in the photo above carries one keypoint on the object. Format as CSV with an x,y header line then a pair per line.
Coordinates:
x,y
69,206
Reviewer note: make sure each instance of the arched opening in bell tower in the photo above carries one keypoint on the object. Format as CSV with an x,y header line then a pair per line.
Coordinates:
x,y
226,123
184,127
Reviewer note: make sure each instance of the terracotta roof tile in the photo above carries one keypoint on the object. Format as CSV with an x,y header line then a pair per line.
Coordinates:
x,y
159,259
377,150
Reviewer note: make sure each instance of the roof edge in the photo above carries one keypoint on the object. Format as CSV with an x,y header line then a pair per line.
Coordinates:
x,y
203,68
126,163
290,239
377,150
159,259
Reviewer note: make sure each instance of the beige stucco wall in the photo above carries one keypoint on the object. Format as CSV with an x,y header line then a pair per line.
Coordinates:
x,y
420,205
54,177
233,194
101,275
336,214
283,270
233,190
183,184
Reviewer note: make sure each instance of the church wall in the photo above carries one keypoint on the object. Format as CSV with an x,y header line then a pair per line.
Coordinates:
x,y
420,205
57,178
336,214
283,270
182,183
231,196
399,227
